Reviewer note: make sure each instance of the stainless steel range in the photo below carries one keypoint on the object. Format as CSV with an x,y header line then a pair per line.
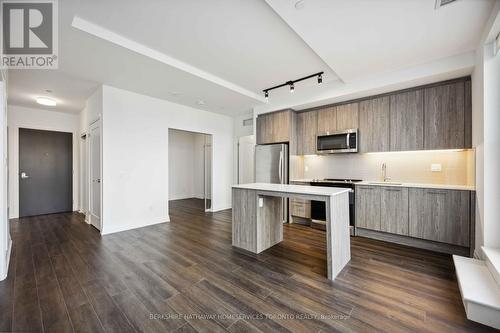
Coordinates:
x,y
318,210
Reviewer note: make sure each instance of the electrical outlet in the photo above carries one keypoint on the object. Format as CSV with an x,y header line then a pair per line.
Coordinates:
x,y
261,202
306,168
436,167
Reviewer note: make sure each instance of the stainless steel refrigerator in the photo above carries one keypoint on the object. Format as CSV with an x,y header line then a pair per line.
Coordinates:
x,y
271,166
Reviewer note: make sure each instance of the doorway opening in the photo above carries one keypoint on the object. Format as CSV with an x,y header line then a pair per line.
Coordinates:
x,y
190,167
45,172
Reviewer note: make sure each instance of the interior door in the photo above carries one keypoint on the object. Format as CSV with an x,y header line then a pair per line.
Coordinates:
x,y
45,172
95,175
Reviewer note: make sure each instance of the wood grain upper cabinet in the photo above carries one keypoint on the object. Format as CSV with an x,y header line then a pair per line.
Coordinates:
x,y
374,125
275,127
407,121
263,129
394,210
440,215
281,126
444,120
368,207
347,116
327,120
306,132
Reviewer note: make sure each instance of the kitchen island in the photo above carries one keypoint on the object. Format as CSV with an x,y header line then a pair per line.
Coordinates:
x,y
258,223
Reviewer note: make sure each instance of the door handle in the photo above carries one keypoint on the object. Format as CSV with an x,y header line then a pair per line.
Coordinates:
x,y
347,141
280,168
24,175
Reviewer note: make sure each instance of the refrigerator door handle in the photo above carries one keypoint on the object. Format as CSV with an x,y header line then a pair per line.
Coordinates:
x,y
280,167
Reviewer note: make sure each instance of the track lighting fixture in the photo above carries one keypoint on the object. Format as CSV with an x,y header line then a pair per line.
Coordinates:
x,y
291,84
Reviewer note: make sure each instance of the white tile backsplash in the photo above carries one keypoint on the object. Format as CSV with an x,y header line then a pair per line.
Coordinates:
x,y
457,167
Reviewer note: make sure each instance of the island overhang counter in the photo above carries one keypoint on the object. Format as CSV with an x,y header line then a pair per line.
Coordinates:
x,y
257,223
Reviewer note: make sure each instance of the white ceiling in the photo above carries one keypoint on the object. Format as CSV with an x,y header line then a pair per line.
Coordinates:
x,y
363,38
24,86
224,52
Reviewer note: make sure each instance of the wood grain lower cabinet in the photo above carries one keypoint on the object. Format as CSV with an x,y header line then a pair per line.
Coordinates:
x,y
440,215
394,210
300,208
306,133
368,207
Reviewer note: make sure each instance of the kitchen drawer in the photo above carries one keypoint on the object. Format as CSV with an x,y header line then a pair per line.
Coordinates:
x,y
300,207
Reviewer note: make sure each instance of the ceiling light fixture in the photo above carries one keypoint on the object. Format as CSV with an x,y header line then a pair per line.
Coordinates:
x,y
47,101
291,84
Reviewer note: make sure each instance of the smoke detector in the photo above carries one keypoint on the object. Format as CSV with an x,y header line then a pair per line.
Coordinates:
x,y
441,3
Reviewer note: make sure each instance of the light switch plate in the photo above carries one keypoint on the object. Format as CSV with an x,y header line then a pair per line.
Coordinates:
x,y
436,167
261,202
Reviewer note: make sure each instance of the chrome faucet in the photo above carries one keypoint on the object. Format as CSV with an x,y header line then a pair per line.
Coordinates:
x,y
384,173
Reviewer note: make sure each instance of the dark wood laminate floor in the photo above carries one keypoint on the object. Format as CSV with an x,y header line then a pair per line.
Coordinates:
x,y
64,277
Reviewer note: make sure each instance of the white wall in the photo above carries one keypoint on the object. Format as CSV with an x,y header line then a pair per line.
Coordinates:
x,y
5,240
185,175
478,143
22,117
491,147
485,135
239,131
135,156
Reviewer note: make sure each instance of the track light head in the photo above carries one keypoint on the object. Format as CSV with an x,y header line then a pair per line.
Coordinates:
x,y
266,95
292,87
320,79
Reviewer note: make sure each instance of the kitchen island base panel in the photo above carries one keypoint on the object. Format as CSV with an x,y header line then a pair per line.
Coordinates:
x,y
338,241
257,228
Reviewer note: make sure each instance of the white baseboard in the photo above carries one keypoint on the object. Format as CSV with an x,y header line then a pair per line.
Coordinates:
x,y
218,209
108,231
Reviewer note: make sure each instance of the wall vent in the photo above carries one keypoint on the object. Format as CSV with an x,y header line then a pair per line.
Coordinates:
x,y
441,3
248,122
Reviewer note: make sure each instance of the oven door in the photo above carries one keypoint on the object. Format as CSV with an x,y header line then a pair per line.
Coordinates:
x,y
340,142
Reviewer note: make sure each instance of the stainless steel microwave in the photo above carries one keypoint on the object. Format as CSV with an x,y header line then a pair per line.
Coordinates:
x,y
345,141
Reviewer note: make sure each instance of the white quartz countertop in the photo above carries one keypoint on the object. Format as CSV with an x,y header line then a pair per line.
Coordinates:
x,y
419,185
293,189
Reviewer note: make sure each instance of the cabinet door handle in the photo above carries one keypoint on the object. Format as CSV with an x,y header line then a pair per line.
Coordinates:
x,y
393,189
